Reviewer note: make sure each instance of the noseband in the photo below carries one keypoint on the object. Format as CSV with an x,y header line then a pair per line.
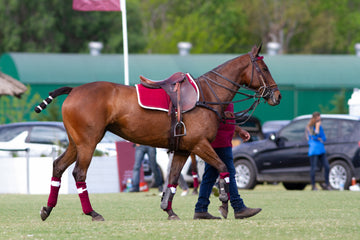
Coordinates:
x,y
263,92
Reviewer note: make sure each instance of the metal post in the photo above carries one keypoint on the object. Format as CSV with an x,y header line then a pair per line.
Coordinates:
x,y
27,155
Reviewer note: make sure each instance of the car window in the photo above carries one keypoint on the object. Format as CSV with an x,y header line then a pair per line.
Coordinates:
x,y
47,135
8,133
330,128
347,128
295,131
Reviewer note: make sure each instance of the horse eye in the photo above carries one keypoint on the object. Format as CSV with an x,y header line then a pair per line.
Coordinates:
x,y
265,69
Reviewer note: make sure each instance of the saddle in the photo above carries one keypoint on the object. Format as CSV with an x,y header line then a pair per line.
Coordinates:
x,y
183,98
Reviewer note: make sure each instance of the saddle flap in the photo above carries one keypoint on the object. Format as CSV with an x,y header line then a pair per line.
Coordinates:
x,y
149,96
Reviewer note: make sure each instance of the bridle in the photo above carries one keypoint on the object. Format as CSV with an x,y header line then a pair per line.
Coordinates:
x,y
264,91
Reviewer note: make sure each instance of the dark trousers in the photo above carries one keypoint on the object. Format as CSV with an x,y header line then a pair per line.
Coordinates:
x,y
209,179
313,163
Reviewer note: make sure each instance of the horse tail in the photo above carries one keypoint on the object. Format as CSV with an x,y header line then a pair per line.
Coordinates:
x,y
52,95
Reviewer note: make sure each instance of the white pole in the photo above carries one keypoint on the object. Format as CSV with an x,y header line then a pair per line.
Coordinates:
x,y
125,42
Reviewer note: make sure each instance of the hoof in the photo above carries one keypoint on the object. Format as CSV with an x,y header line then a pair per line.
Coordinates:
x,y
223,197
173,217
96,217
45,212
223,209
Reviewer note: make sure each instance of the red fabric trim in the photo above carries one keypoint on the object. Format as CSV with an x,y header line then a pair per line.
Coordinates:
x,y
224,175
54,192
153,98
84,198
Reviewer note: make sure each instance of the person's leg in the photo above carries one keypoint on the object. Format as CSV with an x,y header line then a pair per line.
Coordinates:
x,y
208,181
183,185
313,165
240,210
194,173
151,151
226,156
325,163
139,156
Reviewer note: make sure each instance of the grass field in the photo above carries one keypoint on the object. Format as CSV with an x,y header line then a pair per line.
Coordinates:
x,y
285,215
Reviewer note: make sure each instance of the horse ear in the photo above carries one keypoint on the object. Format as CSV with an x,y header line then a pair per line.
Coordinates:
x,y
254,50
259,49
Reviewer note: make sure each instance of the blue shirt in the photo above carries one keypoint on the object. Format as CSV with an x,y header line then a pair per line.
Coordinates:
x,y
316,146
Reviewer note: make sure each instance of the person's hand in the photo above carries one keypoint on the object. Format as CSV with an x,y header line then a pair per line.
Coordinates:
x,y
229,114
245,136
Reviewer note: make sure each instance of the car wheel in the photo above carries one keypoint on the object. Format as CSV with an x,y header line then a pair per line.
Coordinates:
x,y
339,173
294,186
244,174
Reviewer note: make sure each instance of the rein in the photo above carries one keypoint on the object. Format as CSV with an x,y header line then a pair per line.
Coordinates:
x,y
263,91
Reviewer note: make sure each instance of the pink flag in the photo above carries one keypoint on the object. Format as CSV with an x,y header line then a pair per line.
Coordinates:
x,y
96,5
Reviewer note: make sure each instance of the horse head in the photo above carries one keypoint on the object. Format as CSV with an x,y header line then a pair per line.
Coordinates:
x,y
257,76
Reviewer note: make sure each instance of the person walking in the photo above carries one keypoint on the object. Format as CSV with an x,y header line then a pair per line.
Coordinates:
x,y
316,138
223,147
140,151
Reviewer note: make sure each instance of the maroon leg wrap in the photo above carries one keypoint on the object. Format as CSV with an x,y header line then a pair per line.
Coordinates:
x,y
54,191
226,177
173,190
84,197
196,180
168,195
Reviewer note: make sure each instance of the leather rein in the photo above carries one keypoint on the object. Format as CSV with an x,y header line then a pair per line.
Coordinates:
x,y
262,92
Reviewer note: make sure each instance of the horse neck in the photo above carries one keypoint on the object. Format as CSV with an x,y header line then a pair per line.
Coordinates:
x,y
233,70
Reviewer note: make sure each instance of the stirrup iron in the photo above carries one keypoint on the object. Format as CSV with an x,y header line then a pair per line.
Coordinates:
x,y
180,125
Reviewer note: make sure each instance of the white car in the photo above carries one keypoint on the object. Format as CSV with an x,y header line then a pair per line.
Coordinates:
x,y
44,139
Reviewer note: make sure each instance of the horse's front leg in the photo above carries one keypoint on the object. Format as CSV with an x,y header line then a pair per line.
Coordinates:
x,y
205,151
177,164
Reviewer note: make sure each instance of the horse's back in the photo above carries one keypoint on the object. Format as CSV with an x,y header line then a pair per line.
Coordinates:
x,y
92,105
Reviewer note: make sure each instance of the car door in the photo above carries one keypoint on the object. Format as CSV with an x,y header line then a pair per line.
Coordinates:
x,y
289,152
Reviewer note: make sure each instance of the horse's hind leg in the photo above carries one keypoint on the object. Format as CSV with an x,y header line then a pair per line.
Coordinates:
x,y
177,164
59,166
82,164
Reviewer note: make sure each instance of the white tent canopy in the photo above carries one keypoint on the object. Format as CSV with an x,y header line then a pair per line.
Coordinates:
x,y
11,86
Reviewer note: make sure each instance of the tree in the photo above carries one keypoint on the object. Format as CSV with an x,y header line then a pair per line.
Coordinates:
x,y
211,26
338,103
277,20
156,26
53,26
18,110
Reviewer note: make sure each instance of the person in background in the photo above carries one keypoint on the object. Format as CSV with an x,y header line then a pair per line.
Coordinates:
x,y
194,173
223,147
316,138
140,151
182,183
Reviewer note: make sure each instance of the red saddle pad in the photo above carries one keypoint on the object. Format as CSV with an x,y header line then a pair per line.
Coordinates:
x,y
157,99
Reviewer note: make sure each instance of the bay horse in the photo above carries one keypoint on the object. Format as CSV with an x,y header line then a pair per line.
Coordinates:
x,y
94,108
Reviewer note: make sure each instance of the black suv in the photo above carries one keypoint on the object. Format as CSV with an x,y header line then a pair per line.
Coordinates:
x,y
283,157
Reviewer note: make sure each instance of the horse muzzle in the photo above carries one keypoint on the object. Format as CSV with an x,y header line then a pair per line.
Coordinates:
x,y
274,97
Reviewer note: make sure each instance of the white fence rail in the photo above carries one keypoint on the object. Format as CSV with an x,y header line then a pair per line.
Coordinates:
x,y
32,175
